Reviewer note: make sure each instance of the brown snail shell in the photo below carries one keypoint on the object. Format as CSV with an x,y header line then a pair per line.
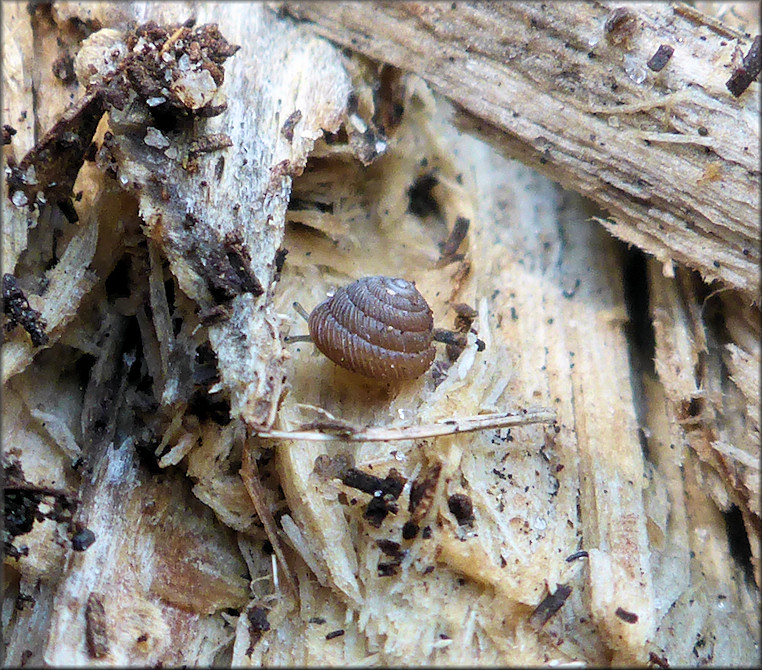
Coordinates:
x,y
379,327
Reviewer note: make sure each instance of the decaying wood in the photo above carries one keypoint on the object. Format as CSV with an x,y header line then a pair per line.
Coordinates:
x,y
240,214
17,113
672,156
342,521
69,283
325,431
701,404
147,575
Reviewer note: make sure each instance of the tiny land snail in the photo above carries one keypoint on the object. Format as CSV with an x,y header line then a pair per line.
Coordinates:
x,y
379,327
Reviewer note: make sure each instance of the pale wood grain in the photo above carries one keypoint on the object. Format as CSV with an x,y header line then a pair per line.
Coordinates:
x,y
18,112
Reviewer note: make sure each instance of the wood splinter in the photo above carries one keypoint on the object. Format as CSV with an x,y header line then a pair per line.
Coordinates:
x,y
250,476
743,76
450,426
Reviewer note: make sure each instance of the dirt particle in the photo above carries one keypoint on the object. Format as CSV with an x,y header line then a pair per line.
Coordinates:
x,y
549,606
627,617
82,539
620,26
63,69
660,58
462,509
96,634
750,68
455,238
8,133
290,123
18,312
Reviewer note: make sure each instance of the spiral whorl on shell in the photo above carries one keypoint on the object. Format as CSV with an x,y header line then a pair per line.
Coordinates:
x,y
380,327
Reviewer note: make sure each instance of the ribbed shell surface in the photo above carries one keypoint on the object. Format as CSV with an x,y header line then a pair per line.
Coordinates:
x,y
378,327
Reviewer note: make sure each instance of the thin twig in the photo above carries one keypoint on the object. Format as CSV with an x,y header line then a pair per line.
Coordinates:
x,y
250,475
452,426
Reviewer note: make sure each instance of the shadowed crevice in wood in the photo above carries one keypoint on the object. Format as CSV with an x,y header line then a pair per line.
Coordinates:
x,y
738,540
639,329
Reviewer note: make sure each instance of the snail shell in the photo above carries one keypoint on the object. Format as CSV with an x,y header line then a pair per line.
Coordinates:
x,y
380,327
